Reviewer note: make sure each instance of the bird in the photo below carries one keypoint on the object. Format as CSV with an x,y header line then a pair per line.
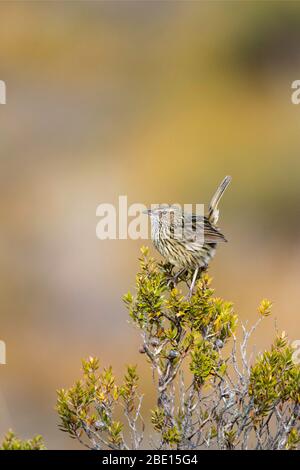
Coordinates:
x,y
187,241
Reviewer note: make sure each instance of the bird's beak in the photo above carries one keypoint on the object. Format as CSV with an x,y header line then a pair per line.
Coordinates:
x,y
147,212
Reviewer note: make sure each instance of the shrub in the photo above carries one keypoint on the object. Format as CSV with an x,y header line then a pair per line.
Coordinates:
x,y
11,442
207,396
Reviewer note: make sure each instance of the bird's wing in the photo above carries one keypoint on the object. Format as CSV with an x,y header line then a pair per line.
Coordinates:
x,y
211,233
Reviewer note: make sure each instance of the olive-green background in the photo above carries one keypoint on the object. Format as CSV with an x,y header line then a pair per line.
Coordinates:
x,y
157,101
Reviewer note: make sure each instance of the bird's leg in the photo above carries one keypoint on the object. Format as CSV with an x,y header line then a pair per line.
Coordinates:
x,y
177,275
193,282
174,279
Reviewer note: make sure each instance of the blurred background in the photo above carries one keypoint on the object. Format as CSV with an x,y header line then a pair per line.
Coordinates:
x,y
153,100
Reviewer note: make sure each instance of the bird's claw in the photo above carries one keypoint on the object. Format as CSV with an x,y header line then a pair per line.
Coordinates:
x,y
175,278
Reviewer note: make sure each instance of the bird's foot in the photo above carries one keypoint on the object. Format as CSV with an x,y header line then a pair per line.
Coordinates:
x,y
173,280
189,295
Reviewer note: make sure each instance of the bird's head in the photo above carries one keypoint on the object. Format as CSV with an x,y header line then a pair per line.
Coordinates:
x,y
163,211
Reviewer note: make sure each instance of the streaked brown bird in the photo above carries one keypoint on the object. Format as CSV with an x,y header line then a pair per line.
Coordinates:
x,y
187,241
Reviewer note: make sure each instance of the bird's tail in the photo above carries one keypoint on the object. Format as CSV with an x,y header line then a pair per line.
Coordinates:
x,y
213,211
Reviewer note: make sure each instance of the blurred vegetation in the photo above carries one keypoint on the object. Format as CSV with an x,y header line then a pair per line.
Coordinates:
x,y
156,100
12,442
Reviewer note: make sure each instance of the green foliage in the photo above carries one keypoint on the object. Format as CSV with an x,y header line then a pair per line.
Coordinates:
x,y
275,378
205,362
172,436
265,308
146,308
158,418
128,391
11,442
293,439
169,317
88,407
